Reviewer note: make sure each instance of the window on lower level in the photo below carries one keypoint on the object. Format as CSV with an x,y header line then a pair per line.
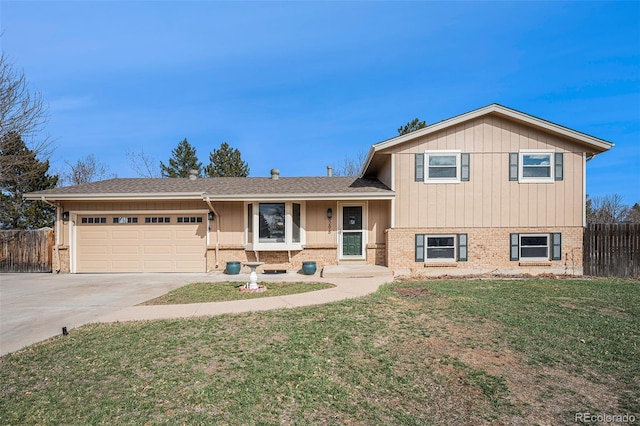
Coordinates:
x,y
536,246
441,247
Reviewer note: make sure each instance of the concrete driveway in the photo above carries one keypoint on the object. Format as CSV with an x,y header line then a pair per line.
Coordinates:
x,y
35,307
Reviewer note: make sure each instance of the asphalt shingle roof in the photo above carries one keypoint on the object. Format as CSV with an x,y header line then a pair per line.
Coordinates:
x,y
222,186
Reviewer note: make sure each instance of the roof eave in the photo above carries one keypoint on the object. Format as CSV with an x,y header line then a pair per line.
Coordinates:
x,y
213,197
114,197
302,196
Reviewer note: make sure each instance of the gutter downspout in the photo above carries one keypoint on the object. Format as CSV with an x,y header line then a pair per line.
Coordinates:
x,y
57,234
208,200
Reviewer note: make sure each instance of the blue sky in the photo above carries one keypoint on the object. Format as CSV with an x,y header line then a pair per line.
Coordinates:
x,y
300,85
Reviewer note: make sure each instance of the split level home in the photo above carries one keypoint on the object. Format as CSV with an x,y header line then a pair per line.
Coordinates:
x,y
493,190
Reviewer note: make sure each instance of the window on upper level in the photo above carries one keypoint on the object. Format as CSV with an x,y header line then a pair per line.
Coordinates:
x,y
442,167
536,166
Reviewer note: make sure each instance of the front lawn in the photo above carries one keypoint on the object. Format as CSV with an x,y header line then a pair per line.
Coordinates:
x,y
225,291
533,351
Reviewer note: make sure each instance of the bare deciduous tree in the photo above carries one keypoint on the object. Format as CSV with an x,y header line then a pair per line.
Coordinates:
x,y
22,113
606,209
85,170
351,165
143,164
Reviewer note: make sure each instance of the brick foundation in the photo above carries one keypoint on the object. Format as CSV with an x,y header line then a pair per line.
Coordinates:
x,y
488,252
377,254
322,255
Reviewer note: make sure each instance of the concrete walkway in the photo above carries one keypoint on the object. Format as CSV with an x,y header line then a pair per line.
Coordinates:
x,y
345,288
35,307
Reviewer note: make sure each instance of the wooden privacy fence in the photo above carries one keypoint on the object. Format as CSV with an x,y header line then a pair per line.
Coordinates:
x,y
26,251
612,250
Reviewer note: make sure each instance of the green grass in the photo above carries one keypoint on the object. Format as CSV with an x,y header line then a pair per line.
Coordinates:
x,y
414,353
225,291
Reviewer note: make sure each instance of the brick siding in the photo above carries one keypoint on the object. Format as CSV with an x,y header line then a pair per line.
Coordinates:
x,y
272,259
488,252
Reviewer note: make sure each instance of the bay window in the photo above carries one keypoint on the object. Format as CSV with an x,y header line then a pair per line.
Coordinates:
x,y
274,226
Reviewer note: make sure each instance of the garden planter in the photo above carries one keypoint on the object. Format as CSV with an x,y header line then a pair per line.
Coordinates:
x,y
233,268
309,268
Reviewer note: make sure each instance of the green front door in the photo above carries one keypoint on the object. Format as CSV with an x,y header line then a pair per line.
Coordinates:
x,y
352,231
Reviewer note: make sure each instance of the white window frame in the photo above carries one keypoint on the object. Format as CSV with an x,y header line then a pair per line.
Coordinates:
x,y
520,246
441,153
521,166
288,243
440,259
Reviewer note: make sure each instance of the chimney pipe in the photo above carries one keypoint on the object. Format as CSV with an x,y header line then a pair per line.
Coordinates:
x,y
329,171
193,174
275,174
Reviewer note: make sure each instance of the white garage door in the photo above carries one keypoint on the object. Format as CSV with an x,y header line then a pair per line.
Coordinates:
x,y
141,243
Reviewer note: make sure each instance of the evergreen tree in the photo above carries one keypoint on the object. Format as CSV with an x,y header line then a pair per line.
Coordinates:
x,y
634,214
22,172
226,162
411,126
183,159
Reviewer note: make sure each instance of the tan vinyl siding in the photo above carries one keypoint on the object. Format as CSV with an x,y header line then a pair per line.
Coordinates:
x,y
378,220
232,216
385,171
317,224
489,199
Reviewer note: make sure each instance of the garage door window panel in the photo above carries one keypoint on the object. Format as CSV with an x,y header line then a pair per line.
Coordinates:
x,y
190,219
160,219
125,220
93,220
